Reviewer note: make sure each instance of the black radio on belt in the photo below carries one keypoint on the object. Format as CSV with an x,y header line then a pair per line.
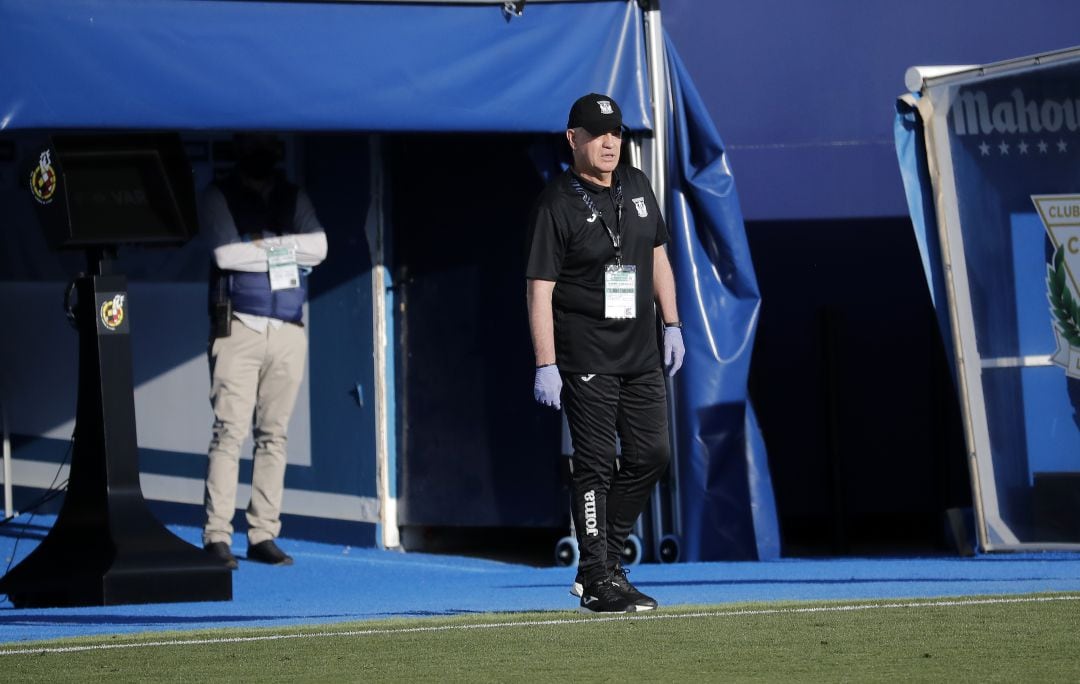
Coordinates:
x,y
220,306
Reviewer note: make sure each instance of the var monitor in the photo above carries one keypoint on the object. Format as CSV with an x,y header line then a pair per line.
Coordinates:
x,y
97,190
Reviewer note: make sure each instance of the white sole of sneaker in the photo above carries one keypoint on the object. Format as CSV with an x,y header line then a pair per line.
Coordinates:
x,y
589,611
577,590
631,609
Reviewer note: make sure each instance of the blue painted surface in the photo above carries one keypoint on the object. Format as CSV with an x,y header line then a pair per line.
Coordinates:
x,y
1053,437
333,583
804,92
340,340
1031,250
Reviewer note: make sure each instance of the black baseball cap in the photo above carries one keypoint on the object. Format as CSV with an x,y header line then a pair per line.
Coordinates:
x,y
596,113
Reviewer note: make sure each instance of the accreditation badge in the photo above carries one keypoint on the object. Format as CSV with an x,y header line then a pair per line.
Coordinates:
x,y
284,273
620,291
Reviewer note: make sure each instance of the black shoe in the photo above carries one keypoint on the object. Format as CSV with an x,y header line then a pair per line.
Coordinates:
x,y
604,596
220,551
268,552
640,601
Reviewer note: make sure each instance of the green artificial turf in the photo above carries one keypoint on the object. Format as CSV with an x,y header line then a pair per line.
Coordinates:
x,y
1029,638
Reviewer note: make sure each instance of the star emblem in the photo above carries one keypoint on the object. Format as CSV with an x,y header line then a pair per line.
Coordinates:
x,y
1023,147
1043,147
1003,148
1062,145
985,149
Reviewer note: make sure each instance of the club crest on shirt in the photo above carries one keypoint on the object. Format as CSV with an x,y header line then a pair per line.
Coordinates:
x,y
639,204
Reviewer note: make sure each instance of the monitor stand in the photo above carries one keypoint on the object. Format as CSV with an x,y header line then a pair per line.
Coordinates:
x,y
106,547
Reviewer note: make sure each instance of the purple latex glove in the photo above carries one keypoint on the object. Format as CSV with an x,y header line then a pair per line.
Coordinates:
x,y
673,349
547,387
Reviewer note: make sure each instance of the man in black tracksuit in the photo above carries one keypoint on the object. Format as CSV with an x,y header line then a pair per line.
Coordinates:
x,y
596,266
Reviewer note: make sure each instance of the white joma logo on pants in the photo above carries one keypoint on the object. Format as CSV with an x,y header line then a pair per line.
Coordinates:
x,y
590,513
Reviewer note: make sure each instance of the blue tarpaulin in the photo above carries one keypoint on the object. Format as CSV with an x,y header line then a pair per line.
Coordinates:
x,y
910,139
193,65
728,508
280,65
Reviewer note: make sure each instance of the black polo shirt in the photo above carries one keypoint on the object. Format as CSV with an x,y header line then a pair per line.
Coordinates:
x,y
565,247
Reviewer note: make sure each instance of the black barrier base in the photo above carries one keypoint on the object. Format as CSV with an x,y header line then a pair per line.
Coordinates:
x,y
77,566
106,547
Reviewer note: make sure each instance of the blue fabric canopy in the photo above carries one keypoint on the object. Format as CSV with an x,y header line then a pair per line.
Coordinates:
x,y
909,136
334,66
195,65
726,491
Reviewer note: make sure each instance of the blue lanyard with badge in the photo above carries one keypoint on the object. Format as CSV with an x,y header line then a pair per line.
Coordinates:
x,y
620,280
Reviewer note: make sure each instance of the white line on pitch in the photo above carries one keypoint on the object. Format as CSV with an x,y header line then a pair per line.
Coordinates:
x,y
540,623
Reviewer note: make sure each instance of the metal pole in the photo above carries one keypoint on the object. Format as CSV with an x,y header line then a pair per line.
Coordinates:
x,y
658,146
658,92
385,463
8,505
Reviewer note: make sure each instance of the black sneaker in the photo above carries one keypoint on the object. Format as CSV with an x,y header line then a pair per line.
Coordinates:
x,y
640,601
220,551
604,596
268,552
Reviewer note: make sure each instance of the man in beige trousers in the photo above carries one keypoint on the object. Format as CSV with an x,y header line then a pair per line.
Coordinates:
x,y
266,239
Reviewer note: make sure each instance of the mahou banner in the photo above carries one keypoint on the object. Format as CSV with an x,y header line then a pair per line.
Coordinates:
x,y
1003,159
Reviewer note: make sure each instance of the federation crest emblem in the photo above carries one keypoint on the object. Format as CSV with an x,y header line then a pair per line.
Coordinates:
x,y
1060,215
605,107
639,204
112,312
43,179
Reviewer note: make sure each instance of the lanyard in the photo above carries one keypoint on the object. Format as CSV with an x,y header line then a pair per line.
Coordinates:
x,y
616,237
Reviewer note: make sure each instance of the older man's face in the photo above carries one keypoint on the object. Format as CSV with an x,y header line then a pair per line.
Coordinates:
x,y
595,154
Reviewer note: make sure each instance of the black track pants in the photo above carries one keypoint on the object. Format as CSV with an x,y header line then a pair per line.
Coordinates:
x,y
606,501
